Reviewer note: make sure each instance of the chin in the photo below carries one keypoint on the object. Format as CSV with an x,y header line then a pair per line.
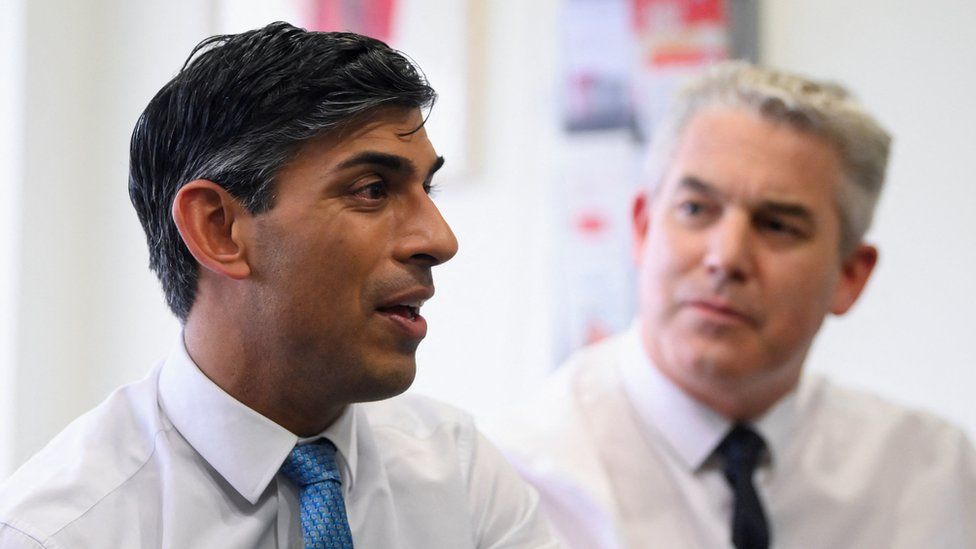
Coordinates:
x,y
730,371
390,379
724,363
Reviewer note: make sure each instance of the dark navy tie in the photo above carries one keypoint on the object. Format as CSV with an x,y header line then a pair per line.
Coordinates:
x,y
741,450
313,469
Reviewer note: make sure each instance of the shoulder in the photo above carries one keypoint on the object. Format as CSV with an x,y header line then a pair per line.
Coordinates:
x,y
13,538
859,412
437,459
555,415
902,440
425,444
91,458
553,439
891,459
416,416
422,427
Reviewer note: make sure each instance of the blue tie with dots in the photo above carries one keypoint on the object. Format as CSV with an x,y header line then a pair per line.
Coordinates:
x,y
313,469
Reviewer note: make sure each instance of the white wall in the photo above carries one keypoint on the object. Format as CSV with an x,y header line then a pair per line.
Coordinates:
x,y
914,65
490,339
90,315
11,66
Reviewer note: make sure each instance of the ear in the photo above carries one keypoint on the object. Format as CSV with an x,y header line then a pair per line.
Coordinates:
x,y
854,274
209,219
641,219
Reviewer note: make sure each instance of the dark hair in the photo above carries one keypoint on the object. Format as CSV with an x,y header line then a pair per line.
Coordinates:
x,y
239,109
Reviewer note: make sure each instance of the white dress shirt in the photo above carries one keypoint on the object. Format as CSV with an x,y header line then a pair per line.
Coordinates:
x,y
624,459
173,461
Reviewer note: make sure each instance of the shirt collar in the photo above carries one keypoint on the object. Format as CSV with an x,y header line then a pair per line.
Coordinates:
x,y
780,425
690,428
342,433
244,447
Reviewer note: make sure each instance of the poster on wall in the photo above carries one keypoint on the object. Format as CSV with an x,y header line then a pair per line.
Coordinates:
x,y
674,40
596,49
370,17
594,275
444,38
598,159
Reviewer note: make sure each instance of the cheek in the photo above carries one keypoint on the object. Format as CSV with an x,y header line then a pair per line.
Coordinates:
x,y
659,271
801,301
668,255
310,273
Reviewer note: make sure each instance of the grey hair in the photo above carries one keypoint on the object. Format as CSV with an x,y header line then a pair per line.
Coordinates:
x,y
820,108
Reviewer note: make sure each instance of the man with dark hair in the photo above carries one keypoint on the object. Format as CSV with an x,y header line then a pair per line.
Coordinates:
x,y
282,179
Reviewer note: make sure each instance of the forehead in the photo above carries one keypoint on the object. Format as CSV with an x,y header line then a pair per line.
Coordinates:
x,y
394,130
749,157
328,162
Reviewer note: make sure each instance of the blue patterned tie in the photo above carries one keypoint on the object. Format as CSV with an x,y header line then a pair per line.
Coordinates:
x,y
313,468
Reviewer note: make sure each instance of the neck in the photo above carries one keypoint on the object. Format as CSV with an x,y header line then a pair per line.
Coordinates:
x,y
736,397
739,402
250,368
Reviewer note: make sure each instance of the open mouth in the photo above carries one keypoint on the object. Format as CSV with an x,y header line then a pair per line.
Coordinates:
x,y
408,312
406,316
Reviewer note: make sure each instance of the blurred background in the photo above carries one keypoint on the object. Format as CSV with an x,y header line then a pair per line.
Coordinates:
x,y
544,108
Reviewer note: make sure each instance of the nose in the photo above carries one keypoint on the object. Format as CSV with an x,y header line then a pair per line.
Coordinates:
x,y
729,254
428,240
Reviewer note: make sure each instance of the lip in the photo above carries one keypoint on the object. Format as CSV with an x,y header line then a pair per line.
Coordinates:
x,y
422,293
413,328
720,311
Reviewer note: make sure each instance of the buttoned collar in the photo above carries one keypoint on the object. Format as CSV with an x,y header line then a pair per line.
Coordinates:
x,y
342,433
691,429
244,447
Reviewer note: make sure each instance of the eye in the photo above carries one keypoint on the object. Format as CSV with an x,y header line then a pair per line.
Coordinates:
x,y
374,190
697,210
691,208
778,227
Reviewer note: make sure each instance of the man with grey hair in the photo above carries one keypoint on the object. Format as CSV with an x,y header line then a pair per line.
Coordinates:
x,y
695,428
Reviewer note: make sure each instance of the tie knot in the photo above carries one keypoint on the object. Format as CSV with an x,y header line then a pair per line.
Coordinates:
x,y
742,449
311,463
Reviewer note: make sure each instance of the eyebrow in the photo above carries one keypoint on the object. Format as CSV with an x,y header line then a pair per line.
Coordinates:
x,y
790,209
434,167
391,162
787,209
692,183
